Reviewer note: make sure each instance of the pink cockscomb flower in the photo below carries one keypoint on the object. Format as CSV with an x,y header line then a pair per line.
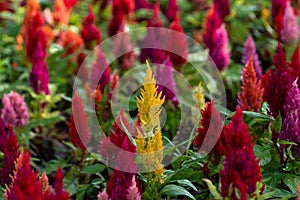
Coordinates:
x,y
290,130
39,75
249,50
241,171
290,30
133,191
14,109
102,196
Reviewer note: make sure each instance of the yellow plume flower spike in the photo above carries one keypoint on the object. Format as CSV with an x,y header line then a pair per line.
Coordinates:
x,y
200,97
149,142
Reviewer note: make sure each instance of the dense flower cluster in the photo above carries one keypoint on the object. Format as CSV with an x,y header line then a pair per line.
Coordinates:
x,y
251,97
14,109
290,30
241,172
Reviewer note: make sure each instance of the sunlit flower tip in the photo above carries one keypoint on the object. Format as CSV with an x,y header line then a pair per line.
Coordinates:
x,y
102,196
79,130
241,170
14,109
200,97
249,49
171,10
25,183
290,130
251,97
10,148
44,181
290,30
133,191
90,33
222,7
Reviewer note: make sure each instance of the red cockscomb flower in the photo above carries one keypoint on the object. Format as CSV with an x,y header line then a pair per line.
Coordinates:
x,y
90,33
241,172
79,130
222,7
251,97
171,10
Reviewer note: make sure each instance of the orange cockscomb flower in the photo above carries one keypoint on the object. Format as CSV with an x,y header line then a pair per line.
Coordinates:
x,y
251,97
70,41
61,13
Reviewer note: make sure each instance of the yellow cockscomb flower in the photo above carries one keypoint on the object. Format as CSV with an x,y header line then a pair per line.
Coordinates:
x,y
149,141
200,97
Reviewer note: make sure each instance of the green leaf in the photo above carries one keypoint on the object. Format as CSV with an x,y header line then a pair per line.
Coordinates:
x,y
93,169
277,123
212,189
292,182
175,190
127,133
263,154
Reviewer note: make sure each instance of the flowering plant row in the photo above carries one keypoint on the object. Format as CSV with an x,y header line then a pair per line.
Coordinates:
x,y
145,99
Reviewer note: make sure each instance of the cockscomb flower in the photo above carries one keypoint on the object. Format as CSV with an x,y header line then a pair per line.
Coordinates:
x,y
133,191
222,7
166,83
102,196
149,140
61,13
70,41
39,75
70,3
220,52
210,131
249,50
44,181
81,67
290,130
25,183
11,153
90,33
143,4
251,97
6,5
153,38
278,83
14,109
79,130
32,8
290,30
277,10
294,67
200,97
241,172
100,75
172,10
178,44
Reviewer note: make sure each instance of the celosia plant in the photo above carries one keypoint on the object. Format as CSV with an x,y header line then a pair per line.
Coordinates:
x,y
14,109
251,97
240,175
149,141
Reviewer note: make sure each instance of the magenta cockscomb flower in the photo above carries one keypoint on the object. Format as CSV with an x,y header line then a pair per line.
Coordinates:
x,y
249,50
39,75
102,196
14,109
290,130
241,172
220,52
290,30
165,81
172,10
222,7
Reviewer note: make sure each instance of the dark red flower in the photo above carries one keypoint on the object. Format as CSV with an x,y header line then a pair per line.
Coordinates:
x,y
11,153
178,44
294,67
240,168
90,33
60,193
222,7
251,97
79,130
278,83
171,10
25,184
83,75
70,3
210,131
